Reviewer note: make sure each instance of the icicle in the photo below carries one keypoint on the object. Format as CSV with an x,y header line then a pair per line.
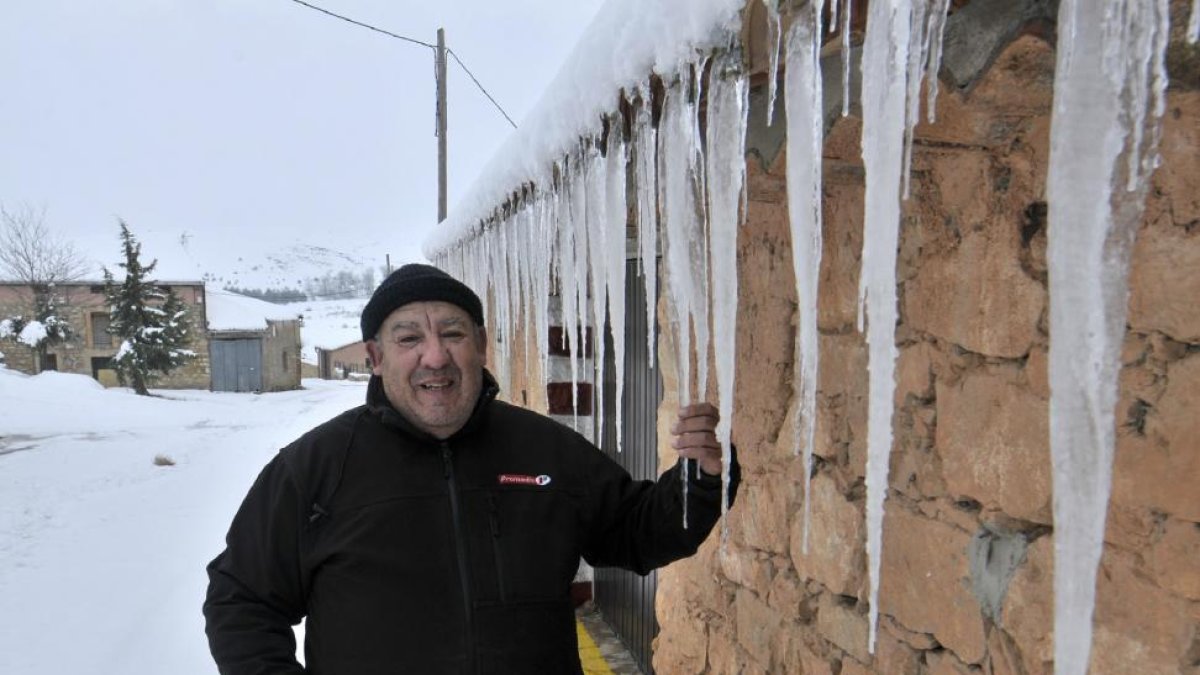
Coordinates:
x,y
597,223
846,11
726,167
933,48
805,138
1110,82
916,66
544,241
774,34
566,276
885,57
580,281
698,305
614,278
646,145
1193,30
683,234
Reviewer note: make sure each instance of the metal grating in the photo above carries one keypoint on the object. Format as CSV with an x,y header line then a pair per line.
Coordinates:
x,y
625,599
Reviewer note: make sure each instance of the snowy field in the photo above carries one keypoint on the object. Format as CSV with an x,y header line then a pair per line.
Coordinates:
x,y
102,552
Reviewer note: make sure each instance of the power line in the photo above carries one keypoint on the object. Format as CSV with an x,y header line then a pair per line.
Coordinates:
x,y
364,25
414,41
477,84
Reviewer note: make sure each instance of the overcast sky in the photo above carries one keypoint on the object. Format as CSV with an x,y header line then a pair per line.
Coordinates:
x,y
242,126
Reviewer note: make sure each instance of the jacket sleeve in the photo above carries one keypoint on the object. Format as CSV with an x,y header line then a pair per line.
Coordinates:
x,y
638,525
255,594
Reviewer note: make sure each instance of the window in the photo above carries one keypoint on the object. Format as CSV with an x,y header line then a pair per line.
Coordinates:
x,y
100,334
285,360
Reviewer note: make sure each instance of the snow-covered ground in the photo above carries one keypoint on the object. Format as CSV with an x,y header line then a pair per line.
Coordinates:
x,y
328,324
102,552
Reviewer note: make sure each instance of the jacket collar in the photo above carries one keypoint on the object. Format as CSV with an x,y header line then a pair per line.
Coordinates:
x,y
378,403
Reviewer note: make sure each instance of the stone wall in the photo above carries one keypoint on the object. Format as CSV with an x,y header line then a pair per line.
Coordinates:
x,y
281,356
78,303
967,562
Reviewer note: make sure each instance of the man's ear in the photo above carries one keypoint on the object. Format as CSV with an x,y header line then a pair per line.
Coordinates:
x,y
376,355
482,346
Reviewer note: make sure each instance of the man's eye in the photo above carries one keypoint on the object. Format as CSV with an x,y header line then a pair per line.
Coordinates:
x,y
453,335
406,340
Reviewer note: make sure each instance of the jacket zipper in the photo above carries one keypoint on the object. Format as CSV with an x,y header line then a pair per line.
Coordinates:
x,y
461,546
494,519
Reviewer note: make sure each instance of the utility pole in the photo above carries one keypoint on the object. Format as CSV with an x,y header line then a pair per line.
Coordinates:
x,y
440,75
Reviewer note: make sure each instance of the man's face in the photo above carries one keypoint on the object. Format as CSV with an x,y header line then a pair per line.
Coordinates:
x,y
430,356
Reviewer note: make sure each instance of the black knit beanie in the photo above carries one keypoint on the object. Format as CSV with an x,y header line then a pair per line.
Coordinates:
x,y
416,283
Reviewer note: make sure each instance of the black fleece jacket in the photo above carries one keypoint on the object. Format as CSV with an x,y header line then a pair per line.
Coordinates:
x,y
412,555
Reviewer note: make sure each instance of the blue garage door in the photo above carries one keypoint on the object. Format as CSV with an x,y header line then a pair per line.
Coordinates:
x,y
236,364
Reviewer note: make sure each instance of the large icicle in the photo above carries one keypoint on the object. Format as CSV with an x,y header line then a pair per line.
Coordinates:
x,y
542,272
805,139
885,60
1193,31
566,273
597,223
682,231
774,35
578,205
846,54
645,150
614,278
726,167
1109,88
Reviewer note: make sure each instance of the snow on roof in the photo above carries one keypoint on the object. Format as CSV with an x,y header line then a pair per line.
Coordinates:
x,y
233,311
627,40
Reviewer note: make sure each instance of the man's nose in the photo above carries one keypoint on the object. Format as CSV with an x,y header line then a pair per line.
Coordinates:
x,y
436,354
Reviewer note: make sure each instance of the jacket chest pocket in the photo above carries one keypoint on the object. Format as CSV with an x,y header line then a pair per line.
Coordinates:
x,y
528,547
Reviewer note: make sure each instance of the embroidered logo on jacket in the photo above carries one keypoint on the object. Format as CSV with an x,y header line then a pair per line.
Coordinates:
x,y
522,479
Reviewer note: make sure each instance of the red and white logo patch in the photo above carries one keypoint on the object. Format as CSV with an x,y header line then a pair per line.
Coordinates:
x,y
523,479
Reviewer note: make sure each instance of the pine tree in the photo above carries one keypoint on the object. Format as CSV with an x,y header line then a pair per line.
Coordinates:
x,y
151,324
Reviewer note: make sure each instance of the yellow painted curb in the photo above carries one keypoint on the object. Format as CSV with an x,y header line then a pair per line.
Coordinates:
x,y
589,654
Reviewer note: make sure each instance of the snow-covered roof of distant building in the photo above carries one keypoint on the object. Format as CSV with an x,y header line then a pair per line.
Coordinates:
x,y
626,41
233,311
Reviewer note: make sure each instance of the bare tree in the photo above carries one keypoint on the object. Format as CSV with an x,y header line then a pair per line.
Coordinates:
x,y
31,254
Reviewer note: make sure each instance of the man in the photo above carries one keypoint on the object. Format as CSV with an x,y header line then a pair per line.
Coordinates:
x,y
436,529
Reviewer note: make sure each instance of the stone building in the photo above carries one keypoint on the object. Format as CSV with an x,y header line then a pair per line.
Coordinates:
x,y
84,306
339,363
967,560
254,346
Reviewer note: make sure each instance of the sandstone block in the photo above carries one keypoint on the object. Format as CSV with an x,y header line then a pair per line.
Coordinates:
x,y
1160,469
1163,284
1139,627
1028,612
993,437
1175,559
682,642
844,627
836,547
757,624
746,568
977,296
925,584
767,506
894,657
841,251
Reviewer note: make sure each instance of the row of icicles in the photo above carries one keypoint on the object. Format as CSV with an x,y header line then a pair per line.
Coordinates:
x,y
568,236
